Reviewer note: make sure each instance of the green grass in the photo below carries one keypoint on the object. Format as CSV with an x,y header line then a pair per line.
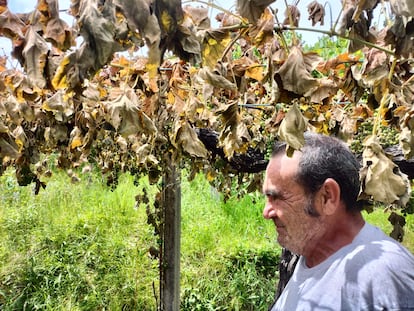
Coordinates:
x,y
74,247
85,247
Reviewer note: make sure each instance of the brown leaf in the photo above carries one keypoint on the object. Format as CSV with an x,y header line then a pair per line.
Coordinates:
x,y
55,29
35,53
292,128
399,35
199,16
292,16
262,32
99,31
363,5
11,26
186,138
58,104
402,7
326,89
234,137
59,33
126,117
406,137
215,79
358,26
398,222
8,148
295,72
381,178
252,9
316,13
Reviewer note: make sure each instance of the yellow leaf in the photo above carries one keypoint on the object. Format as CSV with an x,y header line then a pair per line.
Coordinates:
x,y
76,142
255,72
210,176
167,21
213,48
170,98
59,81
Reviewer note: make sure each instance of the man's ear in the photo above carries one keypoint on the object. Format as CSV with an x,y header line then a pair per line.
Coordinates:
x,y
329,196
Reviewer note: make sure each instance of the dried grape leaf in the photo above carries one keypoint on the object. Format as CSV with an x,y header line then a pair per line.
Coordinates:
x,y
402,7
292,16
316,13
252,9
214,44
262,32
381,178
8,147
126,117
215,79
295,73
35,54
186,138
55,29
292,128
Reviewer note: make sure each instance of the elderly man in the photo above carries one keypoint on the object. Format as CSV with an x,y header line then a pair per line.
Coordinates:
x,y
345,263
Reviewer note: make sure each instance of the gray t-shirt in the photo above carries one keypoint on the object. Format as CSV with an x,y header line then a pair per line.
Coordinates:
x,y
374,272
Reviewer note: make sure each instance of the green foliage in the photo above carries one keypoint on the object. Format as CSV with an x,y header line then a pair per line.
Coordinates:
x,y
85,247
328,47
248,282
229,253
74,247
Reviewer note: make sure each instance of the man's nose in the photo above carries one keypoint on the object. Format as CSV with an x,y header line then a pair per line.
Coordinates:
x,y
269,211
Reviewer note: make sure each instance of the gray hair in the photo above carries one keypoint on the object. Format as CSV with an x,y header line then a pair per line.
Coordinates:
x,y
327,157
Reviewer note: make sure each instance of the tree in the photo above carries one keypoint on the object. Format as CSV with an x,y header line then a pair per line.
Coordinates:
x,y
249,80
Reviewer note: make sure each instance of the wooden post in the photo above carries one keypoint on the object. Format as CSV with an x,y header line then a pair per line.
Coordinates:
x,y
170,263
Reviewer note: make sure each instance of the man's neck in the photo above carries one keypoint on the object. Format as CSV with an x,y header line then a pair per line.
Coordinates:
x,y
339,232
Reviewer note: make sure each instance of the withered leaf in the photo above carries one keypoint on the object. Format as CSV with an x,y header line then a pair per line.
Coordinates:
x,y
292,128
235,140
199,16
215,79
234,136
126,117
59,104
214,44
402,7
8,147
316,13
381,178
55,29
295,72
59,33
262,32
292,16
35,54
186,138
406,137
252,9
399,35
326,89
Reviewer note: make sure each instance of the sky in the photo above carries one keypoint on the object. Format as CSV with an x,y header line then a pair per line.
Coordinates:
x,y
21,6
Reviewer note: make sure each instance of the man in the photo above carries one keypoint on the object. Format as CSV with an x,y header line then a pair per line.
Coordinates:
x,y
345,263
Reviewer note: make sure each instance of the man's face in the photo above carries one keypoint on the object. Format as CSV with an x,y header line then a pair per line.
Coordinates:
x,y
286,203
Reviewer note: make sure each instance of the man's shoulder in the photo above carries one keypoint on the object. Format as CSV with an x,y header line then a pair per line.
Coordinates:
x,y
374,251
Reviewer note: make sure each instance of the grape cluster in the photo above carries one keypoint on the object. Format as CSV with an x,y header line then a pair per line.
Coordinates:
x,y
387,135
